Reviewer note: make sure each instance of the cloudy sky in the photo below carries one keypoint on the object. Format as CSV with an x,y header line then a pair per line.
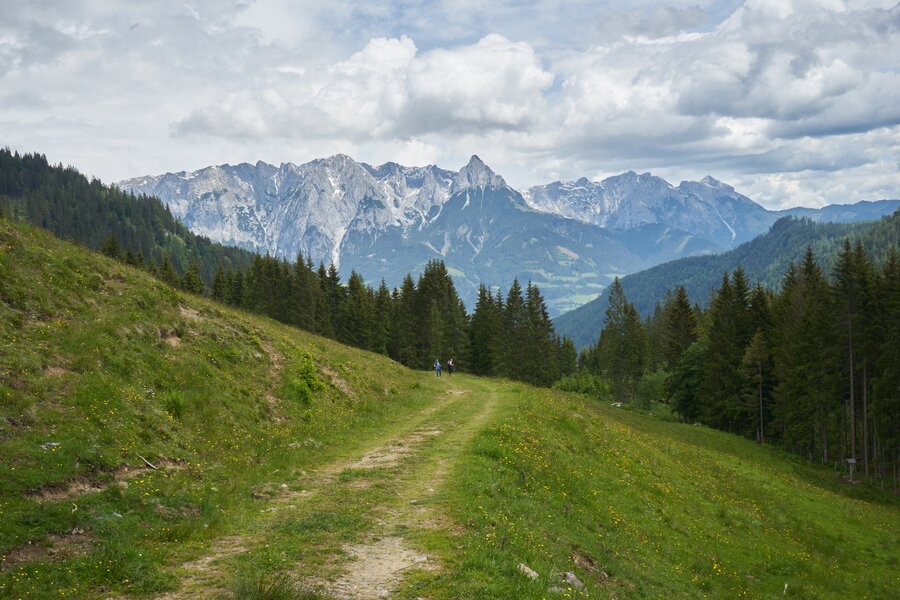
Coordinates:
x,y
794,102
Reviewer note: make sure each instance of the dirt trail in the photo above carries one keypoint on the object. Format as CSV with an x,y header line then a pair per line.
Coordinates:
x,y
413,460
377,568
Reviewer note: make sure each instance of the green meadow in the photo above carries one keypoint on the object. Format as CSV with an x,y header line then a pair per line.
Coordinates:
x,y
156,444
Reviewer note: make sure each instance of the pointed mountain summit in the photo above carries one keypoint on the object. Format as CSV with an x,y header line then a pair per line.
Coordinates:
x,y
476,174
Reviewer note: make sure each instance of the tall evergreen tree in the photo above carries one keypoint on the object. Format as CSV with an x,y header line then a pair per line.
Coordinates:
x,y
381,321
757,383
847,299
511,356
539,341
680,327
191,281
219,290
169,274
484,333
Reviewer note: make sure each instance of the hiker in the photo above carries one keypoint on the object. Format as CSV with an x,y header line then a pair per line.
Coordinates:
x,y
437,367
450,367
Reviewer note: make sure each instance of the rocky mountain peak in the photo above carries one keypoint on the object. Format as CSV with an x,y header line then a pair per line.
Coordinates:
x,y
476,174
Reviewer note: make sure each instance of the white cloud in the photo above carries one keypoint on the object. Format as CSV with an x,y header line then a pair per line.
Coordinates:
x,y
387,91
794,100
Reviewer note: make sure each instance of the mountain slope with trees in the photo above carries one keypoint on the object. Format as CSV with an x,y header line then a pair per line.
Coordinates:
x,y
764,260
140,229
812,367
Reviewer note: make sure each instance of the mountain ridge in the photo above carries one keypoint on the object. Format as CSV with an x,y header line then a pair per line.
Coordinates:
x,y
357,216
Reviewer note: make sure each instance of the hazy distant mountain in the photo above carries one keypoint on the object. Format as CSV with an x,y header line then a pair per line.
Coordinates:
x,y
570,238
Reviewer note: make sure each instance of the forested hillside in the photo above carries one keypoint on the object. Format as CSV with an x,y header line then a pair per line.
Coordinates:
x,y
813,367
62,200
764,260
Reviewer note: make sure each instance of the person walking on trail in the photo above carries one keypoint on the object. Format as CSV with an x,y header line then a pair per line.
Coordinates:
x,y
450,367
437,367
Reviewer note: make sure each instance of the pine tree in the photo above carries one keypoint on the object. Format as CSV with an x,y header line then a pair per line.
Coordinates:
x,y
169,274
191,281
757,381
484,333
111,247
220,285
847,298
680,327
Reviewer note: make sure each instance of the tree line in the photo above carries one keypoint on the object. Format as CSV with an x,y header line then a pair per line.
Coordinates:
x,y
414,324
813,367
421,320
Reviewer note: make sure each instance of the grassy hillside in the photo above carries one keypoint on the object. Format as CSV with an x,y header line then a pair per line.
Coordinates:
x,y
102,366
288,466
765,260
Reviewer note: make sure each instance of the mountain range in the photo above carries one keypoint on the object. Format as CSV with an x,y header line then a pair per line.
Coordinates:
x,y
570,238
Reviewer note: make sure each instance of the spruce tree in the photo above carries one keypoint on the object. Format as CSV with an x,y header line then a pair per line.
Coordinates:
x,y
757,381
168,273
191,281
484,333
847,294
381,322
540,344
403,345
680,327
220,285
721,388
568,357
512,355
886,387
685,385
111,247
236,291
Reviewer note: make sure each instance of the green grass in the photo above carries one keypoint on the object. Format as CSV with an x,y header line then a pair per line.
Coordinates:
x,y
663,509
102,367
86,364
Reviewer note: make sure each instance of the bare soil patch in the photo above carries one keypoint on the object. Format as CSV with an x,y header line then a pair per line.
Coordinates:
x,y
81,485
201,573
391,454
337,381
56,371
189,313
56,547
377,569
